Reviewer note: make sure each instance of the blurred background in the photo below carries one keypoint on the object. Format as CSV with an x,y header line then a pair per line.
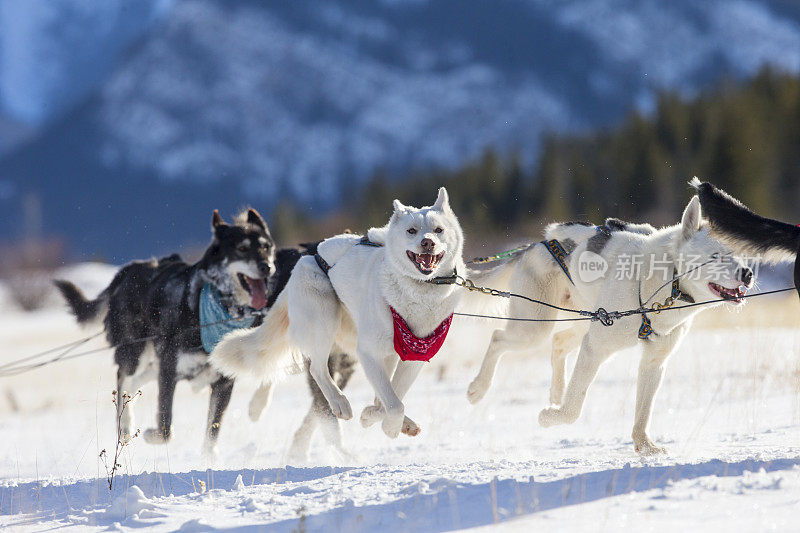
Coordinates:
x,y
123,124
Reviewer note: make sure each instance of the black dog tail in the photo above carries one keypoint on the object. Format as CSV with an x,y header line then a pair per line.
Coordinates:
x,y
84,309
746,232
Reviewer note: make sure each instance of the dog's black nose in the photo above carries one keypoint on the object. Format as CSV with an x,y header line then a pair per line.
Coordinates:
x,y
427,245
264,268
746,275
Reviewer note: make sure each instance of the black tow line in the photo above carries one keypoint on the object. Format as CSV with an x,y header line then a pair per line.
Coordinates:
x,y
601,315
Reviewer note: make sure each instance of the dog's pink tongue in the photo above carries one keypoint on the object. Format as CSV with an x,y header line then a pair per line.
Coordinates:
x,y
258,293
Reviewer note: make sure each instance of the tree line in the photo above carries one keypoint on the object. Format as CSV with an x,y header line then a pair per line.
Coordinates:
x,y
743,137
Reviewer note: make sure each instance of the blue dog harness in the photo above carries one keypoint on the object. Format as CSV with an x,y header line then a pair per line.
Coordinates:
x,y
215,320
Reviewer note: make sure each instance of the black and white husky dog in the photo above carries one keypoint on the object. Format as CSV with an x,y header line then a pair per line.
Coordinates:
x,y
152,316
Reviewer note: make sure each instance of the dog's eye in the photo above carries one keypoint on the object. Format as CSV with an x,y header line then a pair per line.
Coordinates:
x,y
438,230
242,247
412,231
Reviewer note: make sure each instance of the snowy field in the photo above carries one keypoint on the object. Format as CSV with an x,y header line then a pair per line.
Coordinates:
x,y
728,412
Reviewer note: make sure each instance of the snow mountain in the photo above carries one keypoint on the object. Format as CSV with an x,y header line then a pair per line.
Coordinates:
x,y
220,103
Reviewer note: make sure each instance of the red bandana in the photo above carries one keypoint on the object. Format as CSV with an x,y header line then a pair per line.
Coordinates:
x,y
410,347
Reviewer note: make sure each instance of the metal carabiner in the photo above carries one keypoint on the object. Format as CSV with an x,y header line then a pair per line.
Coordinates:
x,y
604,317
667,303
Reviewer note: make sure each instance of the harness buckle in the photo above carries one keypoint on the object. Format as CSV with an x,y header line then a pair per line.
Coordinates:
x,y
605,318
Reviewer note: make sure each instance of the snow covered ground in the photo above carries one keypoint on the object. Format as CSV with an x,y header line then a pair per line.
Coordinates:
x,y
728,412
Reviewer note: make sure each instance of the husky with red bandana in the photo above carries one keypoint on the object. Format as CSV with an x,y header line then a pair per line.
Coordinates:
x,y
367,295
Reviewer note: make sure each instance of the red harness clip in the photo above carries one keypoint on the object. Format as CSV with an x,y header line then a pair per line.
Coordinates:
x,y
410,347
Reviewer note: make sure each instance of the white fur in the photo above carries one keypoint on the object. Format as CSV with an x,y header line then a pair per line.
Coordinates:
x,y
537,275
350,307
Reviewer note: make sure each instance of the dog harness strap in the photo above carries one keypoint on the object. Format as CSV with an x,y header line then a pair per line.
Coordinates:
x,y
215,320
678,295
412,348
323,265
559,254
366,242
645,330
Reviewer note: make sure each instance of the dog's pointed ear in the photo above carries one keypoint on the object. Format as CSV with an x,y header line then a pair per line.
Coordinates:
x,y
690,222
254,217
442,200
398,206
216,220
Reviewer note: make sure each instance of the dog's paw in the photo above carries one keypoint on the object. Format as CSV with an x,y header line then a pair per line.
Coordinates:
x,y
645,446
477,390
393,423
297,455
370,415
155,436
341,408
410,427
210,453
551,416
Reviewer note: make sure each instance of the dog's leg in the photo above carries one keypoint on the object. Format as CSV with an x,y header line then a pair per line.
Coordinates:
x,y
563,343
301,442
339,404
503,341
404,375
651,371
167,379
342,367
592,354
392,405
520,336
374,413
218,402
261,399
315,316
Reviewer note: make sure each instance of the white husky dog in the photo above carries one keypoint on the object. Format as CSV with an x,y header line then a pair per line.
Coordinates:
x,y
661,254
352,306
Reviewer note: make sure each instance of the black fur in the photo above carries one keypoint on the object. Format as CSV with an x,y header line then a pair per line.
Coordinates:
x,y
577,223
615,224
598,242
730,217
733,221
157,301
83,309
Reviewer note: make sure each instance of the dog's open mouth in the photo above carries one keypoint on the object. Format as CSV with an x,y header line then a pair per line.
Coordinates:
x,y
425,263
731,295
256,288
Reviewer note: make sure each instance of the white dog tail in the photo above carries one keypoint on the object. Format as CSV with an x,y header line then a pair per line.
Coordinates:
x,y
264,351
576,232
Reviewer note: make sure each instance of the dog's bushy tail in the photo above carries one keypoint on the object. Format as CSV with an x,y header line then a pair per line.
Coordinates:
x,y
265,351
746,232
85,310
578,232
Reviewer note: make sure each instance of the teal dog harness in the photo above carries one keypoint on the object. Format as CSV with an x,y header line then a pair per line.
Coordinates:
x,y
215,320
